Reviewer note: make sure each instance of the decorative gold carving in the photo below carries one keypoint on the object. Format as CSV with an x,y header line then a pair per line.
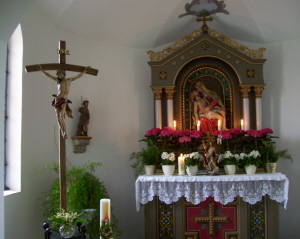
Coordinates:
x,y
192,51
245,89
163,75
63,52
174,63
237,61
158,56
251,73
211,219
219,51
182,57
258,89
205,46
170,92
157,92
228,56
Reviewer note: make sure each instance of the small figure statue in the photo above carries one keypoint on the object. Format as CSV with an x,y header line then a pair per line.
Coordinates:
x,y
211,159
84,119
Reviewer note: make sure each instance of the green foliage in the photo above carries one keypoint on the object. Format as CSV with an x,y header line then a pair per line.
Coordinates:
x,y
147,156
270,154
84,191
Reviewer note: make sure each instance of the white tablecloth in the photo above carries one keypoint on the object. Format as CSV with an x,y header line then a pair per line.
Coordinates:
x,y
224,188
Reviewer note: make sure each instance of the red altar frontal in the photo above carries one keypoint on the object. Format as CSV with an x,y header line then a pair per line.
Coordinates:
x,y
231,207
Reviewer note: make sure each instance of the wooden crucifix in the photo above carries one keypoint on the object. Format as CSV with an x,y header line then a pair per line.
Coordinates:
x,y
60,104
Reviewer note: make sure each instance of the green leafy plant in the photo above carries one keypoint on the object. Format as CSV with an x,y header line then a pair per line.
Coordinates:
x,y
273,156
67,217
84,191
144,157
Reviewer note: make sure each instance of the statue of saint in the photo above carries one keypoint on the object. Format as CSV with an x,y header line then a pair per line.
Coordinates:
x,y
84,119
60,103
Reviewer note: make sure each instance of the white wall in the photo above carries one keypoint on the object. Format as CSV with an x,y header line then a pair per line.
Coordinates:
x,y
281,113
121,104
121,108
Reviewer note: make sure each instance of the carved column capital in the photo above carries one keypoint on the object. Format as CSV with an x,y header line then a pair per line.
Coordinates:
x,y
245,89
170,91
258,89
157,90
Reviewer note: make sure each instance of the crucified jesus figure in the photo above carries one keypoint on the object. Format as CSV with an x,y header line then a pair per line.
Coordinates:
x,y
60,103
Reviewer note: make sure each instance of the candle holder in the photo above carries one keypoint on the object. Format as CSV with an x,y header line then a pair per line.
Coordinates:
x,y
106,229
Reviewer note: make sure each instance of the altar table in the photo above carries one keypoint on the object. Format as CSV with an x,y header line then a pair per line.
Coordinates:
x,y
224,188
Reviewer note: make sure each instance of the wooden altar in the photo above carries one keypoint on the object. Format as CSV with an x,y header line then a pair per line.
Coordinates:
x,y
252,214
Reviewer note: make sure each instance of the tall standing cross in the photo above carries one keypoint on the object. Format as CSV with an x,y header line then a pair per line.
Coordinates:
x,y
62,140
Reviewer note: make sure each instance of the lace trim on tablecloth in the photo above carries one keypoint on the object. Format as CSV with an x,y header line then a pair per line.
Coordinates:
x,y
224,189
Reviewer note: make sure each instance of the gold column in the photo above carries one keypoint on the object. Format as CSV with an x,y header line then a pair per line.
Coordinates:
x,y
158,115
245,89
170,91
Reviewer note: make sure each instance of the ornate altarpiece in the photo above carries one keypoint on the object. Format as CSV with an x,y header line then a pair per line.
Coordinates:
x,y
235,73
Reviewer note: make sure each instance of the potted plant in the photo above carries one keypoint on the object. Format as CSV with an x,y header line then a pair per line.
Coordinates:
x,y
272,156
84,191
66,222
250,161
192,162
168,163
145,159
229,161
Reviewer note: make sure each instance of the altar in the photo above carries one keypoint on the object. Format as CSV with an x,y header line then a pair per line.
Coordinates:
x,y
224,206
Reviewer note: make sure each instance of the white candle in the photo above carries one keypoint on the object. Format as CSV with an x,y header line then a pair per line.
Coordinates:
x,y
219,124
198,125
104,209
242,124
174,125
181,166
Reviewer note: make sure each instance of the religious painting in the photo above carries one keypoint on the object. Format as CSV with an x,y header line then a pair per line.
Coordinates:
x,y
208,100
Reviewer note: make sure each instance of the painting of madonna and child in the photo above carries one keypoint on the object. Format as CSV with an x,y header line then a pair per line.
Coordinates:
x,y
207,109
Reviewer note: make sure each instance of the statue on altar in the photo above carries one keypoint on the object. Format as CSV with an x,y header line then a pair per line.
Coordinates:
x,y
208,109
210,158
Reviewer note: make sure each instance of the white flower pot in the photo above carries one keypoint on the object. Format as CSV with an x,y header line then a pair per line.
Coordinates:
x,y
149,169
230,169
192,170
168,169
271,167
251,169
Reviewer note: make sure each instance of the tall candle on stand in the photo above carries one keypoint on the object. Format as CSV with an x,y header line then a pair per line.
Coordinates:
x,y
242,124
219,124
174,125
181,166
198,125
